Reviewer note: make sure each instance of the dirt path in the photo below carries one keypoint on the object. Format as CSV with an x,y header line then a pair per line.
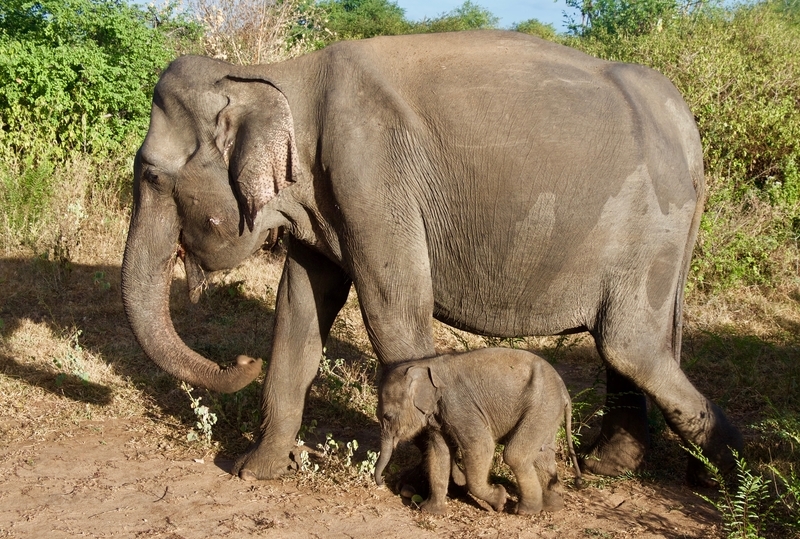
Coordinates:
x,y
101,481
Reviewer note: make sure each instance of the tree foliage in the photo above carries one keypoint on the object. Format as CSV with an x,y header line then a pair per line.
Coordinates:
x,y
74,75
739,71
468,16
536,28
626,17
358,19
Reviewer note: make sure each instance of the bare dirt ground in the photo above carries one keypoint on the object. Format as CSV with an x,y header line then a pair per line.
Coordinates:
x,y
106,479
93,438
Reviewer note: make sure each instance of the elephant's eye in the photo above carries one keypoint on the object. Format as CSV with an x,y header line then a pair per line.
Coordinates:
x,y
150,176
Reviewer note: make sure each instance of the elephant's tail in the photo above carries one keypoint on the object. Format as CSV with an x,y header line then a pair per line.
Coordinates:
x,y
699,181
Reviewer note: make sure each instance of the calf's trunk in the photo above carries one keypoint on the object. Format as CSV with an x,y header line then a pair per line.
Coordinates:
x,y
387,445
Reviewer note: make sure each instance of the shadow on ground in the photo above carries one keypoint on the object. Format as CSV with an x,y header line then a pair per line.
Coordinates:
x,y
82,304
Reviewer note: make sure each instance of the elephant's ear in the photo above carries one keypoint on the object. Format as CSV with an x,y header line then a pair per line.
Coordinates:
x,y
423,392
255,135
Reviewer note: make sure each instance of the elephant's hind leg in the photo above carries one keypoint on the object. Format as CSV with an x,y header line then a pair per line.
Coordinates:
x,y
478,454
520,458
644,353
624,437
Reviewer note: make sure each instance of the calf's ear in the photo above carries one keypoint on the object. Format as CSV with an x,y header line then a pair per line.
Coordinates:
x,y
422,390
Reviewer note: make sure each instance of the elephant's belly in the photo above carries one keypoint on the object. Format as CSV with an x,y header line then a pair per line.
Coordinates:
x,y
547,306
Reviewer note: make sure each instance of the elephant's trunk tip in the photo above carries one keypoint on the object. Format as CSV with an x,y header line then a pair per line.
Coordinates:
x,y
383,459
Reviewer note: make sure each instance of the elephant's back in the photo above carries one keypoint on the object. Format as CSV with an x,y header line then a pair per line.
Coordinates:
x,y
542,177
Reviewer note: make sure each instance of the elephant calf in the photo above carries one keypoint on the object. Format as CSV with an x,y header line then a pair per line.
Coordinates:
x,y
471,401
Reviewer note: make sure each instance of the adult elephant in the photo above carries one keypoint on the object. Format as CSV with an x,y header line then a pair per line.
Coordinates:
x,y
500,183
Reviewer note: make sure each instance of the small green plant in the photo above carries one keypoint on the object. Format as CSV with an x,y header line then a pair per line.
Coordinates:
x,y
99,280
746,510
305,464
71,364
367,466
587,406
330,447
305,430
790,496
348,386
785,430
337,457
206,419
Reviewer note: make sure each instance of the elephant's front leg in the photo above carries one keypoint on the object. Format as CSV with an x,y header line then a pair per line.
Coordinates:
x,y
438,458
311,293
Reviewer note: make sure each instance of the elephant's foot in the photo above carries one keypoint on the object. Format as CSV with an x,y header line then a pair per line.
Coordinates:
x,y
718,445
698,476
526,507
614,455
434,507
262,463
415,479
498,498
552,501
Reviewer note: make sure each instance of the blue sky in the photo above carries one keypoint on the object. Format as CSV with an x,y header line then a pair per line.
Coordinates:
x,y
509,11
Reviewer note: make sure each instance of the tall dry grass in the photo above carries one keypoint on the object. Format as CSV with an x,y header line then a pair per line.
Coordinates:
x,y
260,31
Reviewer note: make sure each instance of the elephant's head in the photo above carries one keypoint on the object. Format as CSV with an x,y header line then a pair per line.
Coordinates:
x,y
220,148
407,403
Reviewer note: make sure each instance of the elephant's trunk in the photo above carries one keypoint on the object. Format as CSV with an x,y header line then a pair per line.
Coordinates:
x,y
146,276
387,446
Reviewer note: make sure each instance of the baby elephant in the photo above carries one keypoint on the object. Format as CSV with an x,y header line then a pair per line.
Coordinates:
x,y
471,401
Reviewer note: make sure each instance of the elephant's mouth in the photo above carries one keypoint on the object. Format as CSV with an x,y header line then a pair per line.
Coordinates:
x,y
195,276
273,238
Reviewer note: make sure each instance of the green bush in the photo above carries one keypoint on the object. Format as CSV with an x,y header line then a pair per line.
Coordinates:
x,y
359,19
76,79
468,16
536,28
739,71
75,75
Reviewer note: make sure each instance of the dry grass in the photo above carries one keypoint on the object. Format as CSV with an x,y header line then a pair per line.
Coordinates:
x,y
250,32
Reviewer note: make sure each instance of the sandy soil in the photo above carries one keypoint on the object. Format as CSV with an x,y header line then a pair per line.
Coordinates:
x,y
108,457
100,480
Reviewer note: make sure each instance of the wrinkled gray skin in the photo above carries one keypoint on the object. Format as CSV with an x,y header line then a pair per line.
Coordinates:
x,y
503,184
471,402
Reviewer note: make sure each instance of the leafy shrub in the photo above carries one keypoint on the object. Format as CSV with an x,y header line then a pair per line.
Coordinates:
x,y
24,196
622,17
75,75
468,16
358,19
536,28
739,71
746,510
76,78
